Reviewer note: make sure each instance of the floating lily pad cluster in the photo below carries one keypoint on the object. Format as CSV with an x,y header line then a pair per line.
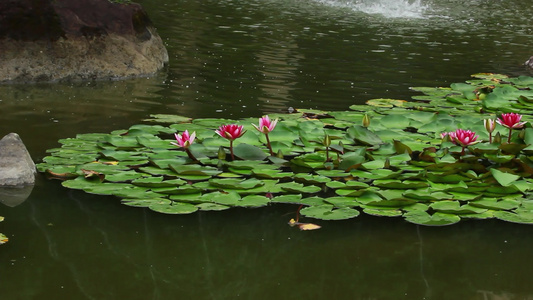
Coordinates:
x,y
386,158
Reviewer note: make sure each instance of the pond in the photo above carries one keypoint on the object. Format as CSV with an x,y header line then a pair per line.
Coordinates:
x,y
235,59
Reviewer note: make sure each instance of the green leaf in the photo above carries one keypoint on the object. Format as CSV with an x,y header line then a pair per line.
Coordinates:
x,y
328,212
311,179
519,216
385,102
144,202
229,198
454,207
340,202
157,181
230,183
292,199
249,152
363,135
437,219
175,208
496,204
125,176
505,179
194,170
253,201
396,184
211,207
381,211
294,187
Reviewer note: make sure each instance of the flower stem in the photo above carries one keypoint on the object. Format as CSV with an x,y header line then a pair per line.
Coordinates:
x,y
298,213
490,137
268,144
189,154
231,149
509,138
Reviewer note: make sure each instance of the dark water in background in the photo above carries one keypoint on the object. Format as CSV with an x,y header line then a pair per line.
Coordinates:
x,y
236,58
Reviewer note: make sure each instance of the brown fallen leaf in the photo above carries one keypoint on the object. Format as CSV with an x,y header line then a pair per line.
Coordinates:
x,y
93,174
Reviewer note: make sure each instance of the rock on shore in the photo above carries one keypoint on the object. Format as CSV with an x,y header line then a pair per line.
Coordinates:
x,y
53,40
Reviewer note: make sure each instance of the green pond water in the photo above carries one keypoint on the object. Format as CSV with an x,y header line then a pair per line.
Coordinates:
x,y
233,59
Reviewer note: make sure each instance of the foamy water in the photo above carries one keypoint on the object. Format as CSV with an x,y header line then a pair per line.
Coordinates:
x,y
387,8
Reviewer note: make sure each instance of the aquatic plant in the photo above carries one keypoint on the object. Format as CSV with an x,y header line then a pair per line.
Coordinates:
x,y
266,126
462,137
184,140
511,121
230,132
490,125
397,165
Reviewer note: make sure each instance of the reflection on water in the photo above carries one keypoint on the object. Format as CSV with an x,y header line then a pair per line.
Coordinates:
x,y
94,248
13,196
236,58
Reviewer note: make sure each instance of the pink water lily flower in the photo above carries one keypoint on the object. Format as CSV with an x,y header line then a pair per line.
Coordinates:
x,y
511,121
450,134
465,138
184,140
230,132
265,125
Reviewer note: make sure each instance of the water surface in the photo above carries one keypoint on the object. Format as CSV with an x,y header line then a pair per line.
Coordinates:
x,y
236,58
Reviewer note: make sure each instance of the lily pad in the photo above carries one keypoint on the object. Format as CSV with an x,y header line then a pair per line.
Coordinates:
x,y
521,217
328,212
436,219
454,207
175,208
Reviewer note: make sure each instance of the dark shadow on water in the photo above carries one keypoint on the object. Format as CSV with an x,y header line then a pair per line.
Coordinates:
x,y
71,245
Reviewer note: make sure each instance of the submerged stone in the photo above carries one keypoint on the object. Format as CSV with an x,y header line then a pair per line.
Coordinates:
x,y
16,166
52,40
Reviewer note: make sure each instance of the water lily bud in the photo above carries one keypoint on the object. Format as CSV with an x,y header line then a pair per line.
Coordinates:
x,y
497,138
279,154
522,134
221,153
387,164
366,121
490,125
327,140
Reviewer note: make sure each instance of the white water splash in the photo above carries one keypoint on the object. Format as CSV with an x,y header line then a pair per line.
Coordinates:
x,y
387,8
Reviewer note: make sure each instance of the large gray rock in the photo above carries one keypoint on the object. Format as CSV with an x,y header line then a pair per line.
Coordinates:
x,y
58,40
16,166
